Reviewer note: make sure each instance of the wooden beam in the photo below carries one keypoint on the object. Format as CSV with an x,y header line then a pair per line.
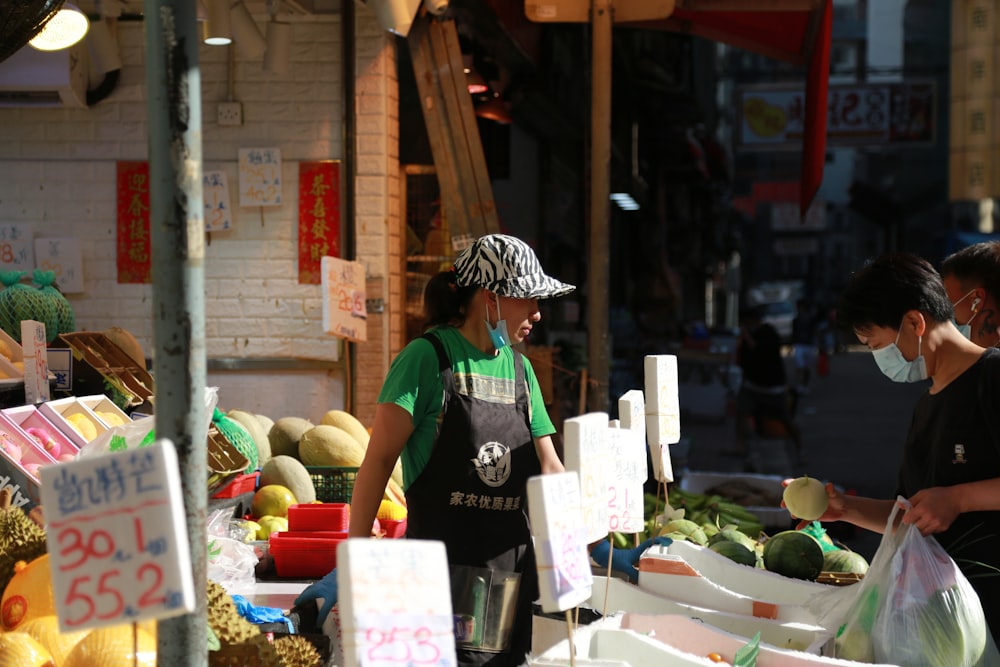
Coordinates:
x,y
750,5
452,129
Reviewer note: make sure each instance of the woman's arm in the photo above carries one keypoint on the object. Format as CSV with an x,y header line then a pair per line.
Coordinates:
x,y
390,431
547,456
933,510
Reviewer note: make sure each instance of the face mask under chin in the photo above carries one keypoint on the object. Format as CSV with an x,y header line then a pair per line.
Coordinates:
x,y
498,334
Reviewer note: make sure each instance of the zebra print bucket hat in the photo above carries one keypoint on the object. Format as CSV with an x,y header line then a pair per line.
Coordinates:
x,y
506,266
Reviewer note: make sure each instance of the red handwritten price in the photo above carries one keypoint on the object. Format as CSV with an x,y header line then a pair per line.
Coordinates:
x,y
407,645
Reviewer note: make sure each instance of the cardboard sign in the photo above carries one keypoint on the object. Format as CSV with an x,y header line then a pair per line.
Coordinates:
x,y
63,257
36,363
395,603
663,412
564,577
215,192
344,311
625,494
16,249
260,177
117,538
585,449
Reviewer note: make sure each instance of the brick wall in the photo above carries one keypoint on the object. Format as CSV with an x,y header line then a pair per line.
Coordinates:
x,y
59,176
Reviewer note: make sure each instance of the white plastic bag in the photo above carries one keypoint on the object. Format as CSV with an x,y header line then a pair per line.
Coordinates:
x,y
913,608
231,562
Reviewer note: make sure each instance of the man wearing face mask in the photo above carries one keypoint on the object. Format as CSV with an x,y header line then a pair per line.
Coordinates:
x,y
950,470
972,278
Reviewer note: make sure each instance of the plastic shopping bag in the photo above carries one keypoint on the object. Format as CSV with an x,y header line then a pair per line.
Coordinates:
x,y
914,607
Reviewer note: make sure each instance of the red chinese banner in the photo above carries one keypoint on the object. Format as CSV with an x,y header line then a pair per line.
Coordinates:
x,y
319,217
134,251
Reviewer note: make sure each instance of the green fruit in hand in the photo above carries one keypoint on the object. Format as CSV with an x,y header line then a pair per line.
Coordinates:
x,y
273,500
806,498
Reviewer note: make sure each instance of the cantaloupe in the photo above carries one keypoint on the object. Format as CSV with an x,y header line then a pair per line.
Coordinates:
x,y
124,339
289,472
18,649
45,630
265,421
113,647
256,431
326,445
284,436
348,422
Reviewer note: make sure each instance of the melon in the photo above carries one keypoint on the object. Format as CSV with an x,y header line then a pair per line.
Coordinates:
x,y
806,498
285,434
325,445
289,472
256,431
795,554
735,552
265,421
113,647
18,649
29,593
844,561
128,344
45,630
732,535
348,422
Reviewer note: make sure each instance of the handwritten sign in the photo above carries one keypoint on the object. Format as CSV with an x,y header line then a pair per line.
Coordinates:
x,y
260,176
62,256
16,250
344,311
663,412
319,217
585,446
133,245
117,538
36,363
556,513
625,495
395,603
215,194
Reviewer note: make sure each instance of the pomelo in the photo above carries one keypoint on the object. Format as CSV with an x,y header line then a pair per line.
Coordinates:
x,y
272,500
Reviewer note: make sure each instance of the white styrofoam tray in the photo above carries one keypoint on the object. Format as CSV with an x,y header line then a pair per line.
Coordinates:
x,y
700,482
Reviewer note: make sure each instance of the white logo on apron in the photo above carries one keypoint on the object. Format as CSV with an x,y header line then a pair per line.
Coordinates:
x,y
493,463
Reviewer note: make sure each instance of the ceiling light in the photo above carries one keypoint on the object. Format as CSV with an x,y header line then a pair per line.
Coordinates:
x,y
249,42
624,201
63,29
279,46
217,27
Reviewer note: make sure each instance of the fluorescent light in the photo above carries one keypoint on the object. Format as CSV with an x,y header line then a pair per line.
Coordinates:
x,y
624,201
63,30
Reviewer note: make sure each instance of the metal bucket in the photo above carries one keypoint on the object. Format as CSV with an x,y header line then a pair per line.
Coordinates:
x,y
484,603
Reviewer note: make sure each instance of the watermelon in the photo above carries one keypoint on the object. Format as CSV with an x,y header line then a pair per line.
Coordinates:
x,y
732,535
845,561
795,554
735,552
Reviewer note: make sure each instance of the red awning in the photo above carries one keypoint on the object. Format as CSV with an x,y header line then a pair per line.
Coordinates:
x,y
795,31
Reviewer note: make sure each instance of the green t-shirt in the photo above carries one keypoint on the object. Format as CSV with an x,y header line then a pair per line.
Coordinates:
x,y
414,384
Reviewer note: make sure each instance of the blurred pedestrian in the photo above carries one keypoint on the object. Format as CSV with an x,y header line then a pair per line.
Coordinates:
x,y
972,279
950,470
803,345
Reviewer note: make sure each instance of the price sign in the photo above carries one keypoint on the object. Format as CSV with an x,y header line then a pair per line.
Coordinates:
x,y
663,412
36,363
395,603
260,177
628,456
585,444
117,539
16,249
62,256
564,577
344,311
215,192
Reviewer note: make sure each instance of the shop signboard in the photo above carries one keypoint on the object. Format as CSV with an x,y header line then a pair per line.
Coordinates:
x,y
772,117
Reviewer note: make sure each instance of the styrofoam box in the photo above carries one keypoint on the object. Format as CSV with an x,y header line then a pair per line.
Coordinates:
x,y
56,412
28,416
16,351
99,403
700,482
20,473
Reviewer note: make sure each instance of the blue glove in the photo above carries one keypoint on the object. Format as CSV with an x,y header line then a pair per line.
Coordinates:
x,y
625,561
325,588
260,615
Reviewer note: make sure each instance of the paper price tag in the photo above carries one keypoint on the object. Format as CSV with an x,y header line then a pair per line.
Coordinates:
x,y
564,575
405,639
260,176
343,288
36,362
117,539
625,495
586,452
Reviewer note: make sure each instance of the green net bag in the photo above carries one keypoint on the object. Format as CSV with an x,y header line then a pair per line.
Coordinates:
x,y
238,436
22,302
58,308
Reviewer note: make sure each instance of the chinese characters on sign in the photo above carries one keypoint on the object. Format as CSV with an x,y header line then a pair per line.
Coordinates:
x,y
319,217
260,177
133,247
218,214
63,257
15,247
117,539
344,311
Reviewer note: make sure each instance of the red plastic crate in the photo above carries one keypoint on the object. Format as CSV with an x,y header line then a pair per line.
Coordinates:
x,y
240,484
308,554
319,516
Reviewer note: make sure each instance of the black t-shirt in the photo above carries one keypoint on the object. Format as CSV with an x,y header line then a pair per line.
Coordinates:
x,y
954,438
762,363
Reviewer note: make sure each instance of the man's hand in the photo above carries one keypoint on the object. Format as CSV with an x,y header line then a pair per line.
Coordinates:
x,y
624,561
325,588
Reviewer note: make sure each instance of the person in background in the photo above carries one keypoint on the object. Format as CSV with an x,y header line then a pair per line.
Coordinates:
x,y
464,412
803,346
763,393
972,279
897,305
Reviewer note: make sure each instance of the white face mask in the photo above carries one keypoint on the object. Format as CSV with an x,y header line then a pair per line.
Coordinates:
x,y
895,366
498,334
966,329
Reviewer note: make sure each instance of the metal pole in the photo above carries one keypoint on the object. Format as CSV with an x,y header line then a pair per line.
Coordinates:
x,y
598,364
177,229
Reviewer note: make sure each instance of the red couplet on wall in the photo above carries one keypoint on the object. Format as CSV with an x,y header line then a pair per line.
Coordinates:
x,y
134,252
319,217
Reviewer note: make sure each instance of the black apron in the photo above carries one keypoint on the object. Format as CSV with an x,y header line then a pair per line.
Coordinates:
x,y
472,495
